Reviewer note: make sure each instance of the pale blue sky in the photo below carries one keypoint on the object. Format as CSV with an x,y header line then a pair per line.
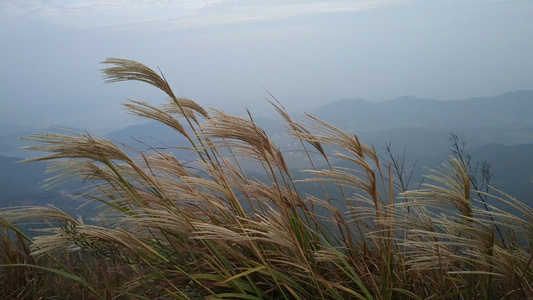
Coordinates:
x,y
222,53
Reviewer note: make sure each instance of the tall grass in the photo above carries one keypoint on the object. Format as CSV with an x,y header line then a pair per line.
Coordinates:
x,y
209,229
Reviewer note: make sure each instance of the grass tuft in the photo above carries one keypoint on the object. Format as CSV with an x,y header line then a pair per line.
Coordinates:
x,y
211,228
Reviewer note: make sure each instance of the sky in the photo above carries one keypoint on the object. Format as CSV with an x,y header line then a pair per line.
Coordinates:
x,y
229,54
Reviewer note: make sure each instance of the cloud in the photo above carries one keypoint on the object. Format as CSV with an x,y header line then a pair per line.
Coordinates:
x,y
122,14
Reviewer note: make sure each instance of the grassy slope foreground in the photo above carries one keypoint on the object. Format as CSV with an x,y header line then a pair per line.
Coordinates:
x,y
204,228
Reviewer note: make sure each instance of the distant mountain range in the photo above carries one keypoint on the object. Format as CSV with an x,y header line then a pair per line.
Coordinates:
x,y
496,129
511,110
504,119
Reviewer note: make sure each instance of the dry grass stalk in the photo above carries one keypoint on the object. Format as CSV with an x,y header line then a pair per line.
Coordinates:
x,y
207,229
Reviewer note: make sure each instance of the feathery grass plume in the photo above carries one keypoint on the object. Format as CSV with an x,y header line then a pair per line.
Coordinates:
x,y
146,110
362,156
174,222
24,213
270,194
272,228
461,240
129,70
167,163
76,145
186,108
77,170
298,130
244,136
330,135
212,228
126,70
454,189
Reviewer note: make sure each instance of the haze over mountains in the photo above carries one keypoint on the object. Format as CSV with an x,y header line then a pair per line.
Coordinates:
x,y
496,129
423,126
511,110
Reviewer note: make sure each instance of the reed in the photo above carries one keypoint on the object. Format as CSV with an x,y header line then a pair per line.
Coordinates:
x,y
209,229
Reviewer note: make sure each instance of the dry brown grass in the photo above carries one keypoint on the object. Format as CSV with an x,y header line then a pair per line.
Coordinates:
x,y
209,229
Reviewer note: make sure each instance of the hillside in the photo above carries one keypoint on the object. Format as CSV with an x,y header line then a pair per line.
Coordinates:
x,y
497,129
11,143
506,111
22,184
511,166
19,183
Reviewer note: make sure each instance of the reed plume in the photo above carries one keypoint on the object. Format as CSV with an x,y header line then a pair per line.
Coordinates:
x,y
212,229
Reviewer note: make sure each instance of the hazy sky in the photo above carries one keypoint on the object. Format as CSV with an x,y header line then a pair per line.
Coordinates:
x,y
222,53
